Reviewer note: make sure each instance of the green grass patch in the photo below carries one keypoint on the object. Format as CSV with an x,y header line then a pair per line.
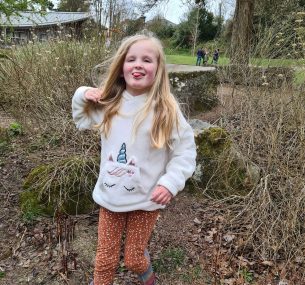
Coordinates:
x,y
299,77
192,274
169,260
180,59
246,275
191,60
15,129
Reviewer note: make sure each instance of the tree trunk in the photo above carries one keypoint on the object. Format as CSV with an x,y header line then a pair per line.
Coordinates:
x,y
195,36
241,34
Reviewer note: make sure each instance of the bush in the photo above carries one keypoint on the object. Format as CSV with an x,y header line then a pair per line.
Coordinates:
x,y
38,81
268,127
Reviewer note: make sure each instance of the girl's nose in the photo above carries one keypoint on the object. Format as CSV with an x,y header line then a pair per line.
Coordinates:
x,y
138,64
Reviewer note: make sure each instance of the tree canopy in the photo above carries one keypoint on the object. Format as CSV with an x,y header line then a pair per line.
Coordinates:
x,y
9,7
207,27
74,6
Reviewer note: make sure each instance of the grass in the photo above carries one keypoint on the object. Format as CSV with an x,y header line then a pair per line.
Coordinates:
x,y
169,260
191,60
299,74
299,77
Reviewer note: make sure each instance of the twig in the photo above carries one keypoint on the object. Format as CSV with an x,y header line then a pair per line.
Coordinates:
x,y
19,243
64,277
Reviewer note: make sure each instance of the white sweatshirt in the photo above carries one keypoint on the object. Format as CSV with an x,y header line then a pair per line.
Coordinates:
x,y
130,167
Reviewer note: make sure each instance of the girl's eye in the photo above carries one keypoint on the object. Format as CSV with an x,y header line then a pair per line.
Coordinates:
x,y
130,59
147,60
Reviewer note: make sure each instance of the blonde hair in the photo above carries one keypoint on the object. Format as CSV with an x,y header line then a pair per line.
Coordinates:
x,y
164,104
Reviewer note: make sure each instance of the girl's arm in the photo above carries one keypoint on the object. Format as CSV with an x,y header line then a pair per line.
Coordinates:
x,y
182,161
85,113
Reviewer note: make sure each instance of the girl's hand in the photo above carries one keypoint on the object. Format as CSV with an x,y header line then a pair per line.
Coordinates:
x,y
93,94
161,195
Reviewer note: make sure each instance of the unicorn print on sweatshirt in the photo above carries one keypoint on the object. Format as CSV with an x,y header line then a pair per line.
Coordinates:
x,y
122,174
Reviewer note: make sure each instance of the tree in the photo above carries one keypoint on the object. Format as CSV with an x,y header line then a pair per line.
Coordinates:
x,y
192,29
50,5
241,33
200,4
161,27
74,6
146,5
10,8
208,26
182,36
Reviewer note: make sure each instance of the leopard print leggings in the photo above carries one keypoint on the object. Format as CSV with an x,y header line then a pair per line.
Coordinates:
x,y
138,226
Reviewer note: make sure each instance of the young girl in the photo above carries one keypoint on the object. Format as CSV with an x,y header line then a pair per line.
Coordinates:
x,y
147,153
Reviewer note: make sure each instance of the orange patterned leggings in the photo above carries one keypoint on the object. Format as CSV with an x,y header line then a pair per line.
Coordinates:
x,y
138,226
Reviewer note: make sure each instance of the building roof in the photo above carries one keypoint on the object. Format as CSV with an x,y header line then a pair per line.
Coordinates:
x,y
34,19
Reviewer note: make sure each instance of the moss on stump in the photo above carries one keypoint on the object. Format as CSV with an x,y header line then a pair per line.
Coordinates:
x,y
65,185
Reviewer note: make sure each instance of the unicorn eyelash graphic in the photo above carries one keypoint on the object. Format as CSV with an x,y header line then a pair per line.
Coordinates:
x,y
121,174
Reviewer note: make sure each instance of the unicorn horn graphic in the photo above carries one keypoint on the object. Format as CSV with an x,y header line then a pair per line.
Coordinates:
x,y
122,154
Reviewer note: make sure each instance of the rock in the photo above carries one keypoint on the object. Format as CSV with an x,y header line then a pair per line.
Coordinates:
x,y
221,170
199,126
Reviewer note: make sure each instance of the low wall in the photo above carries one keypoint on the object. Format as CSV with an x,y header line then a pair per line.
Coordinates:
x,y
195,86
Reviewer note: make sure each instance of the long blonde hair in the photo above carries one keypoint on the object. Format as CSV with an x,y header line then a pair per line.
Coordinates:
x,y
165,106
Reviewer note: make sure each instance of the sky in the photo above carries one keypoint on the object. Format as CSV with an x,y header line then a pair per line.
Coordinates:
x,y
175,9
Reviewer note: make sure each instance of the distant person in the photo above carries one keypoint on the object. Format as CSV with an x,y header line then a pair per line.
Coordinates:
x,y
200,56
206,56
215,56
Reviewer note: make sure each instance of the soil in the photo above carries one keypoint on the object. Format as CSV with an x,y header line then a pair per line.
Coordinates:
x,y
189,244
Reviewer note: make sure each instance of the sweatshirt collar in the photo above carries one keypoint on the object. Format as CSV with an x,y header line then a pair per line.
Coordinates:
x,y
127,96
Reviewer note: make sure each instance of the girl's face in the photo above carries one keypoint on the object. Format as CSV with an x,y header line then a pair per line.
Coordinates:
x,y
140,67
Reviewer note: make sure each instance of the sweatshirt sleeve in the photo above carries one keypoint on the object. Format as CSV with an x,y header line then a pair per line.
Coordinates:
x,y
182,158
84,119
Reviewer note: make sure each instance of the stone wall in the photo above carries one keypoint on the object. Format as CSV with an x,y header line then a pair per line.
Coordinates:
x,y
197,89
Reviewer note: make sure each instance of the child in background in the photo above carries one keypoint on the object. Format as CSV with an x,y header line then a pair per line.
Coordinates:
x,y
148,152
200,55
215,56
206,57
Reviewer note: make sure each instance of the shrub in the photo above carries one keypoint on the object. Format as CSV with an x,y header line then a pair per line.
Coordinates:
x,y
268,127
38,81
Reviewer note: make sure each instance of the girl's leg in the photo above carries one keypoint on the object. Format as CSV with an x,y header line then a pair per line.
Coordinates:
x,y
139,227
110,230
